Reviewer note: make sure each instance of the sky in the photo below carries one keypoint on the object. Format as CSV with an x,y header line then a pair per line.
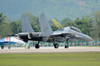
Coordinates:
x,y
58,9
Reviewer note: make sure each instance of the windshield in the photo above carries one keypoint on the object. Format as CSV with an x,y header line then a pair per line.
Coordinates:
x,y
75,29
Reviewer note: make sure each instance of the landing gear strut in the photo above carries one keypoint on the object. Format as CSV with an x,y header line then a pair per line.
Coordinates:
x,y
37,45
55,44
9,47
2,46
67,46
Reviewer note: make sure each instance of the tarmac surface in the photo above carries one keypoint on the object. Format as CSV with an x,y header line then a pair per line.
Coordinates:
x,y
49,50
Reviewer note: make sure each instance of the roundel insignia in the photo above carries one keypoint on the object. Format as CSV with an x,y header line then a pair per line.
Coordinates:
x,y
6,39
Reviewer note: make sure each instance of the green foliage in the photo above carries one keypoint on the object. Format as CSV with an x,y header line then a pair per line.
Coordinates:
x,y
4,19
53,26
0,17
84,25
66,22
96,14
97,25
15,27
34,20
5,29
35,27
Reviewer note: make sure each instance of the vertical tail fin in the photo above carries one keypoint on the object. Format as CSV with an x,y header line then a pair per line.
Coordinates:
x,y
46,29
26,26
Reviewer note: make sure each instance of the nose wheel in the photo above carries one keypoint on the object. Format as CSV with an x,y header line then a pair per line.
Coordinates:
x,y
67,46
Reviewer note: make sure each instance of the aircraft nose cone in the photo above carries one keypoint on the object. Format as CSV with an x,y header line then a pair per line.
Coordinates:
x,y
90,39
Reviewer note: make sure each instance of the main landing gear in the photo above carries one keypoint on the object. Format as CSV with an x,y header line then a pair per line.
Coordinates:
x,y
37,45
56,45
67,46
2,46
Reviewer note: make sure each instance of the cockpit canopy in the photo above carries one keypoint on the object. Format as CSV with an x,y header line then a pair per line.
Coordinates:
x,y
75,29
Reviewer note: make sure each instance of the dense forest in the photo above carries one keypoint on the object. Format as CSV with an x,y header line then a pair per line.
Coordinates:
x,y
87,24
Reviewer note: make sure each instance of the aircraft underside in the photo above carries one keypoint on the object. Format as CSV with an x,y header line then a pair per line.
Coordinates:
x,y
54,40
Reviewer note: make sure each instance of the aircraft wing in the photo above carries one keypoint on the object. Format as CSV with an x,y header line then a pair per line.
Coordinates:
x,y
67,35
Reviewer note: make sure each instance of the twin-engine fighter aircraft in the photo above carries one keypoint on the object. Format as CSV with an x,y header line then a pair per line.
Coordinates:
x,y
48,35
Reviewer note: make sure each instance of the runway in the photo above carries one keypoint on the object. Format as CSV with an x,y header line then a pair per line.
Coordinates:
x,y
49,50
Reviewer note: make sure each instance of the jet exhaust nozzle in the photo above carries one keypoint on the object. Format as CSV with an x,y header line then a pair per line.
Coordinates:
x,y
22,36
30,36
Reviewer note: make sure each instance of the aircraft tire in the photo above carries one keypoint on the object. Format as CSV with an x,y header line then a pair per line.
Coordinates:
x,y
9,47
37,46
2,47
56,45
66,46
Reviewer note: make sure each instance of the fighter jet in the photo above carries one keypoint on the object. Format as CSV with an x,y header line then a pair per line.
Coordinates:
x,y
9,41
48,35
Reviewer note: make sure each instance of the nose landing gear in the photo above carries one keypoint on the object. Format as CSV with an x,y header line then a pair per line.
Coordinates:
x,y
37,45
67,46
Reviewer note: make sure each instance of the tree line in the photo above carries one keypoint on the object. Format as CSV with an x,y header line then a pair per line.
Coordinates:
x,y
87,24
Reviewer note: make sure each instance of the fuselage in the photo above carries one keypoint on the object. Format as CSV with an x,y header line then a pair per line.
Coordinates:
x,y
74,33
60,35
